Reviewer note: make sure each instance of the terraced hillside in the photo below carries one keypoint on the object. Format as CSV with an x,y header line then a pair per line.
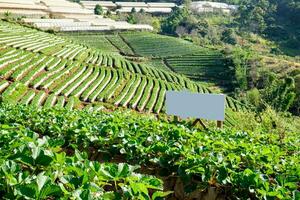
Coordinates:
x,y
205,67
94,40
46,70
153,45
174,54
120,44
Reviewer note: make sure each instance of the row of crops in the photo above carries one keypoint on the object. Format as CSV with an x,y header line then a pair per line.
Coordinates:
x,y
177,55
205,67
181,56
41,74
153,45
39,42
134,92
158,64
75,52
40,158
120,44
146,95
93,40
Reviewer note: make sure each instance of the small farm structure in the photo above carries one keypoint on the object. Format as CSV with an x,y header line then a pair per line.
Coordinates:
x,y
22,8
207,6
84,24
128,6
65,16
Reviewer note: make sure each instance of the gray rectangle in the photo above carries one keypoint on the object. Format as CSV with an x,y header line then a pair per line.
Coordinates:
x,y
186,104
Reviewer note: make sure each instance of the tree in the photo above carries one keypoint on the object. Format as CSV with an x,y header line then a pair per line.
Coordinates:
x,y
7,15
181,31
296,106
156,24
187,3
240,67
98,10
118,6
202,27
228,36
131,19
142,11
133,10
280,94
254,15
254,98
177,16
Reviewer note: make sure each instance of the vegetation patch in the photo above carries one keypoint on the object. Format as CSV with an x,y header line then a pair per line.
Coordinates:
x,y
240,164
153,45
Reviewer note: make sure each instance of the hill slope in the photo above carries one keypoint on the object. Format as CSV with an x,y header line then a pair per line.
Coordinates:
x,y
43,69
164,52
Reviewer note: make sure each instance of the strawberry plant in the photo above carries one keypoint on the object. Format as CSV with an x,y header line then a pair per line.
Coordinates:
x,y
248,164
34,167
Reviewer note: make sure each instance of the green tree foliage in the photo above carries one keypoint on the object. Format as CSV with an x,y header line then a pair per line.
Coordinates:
x,y
277,19
98,10
280,94
156,24
131,18
296,106
247,75
108,12
243,64
255,14
133,10
142,11
7,15
254,97
176,18
228,36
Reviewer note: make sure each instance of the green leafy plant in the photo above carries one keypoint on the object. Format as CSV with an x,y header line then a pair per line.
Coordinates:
x,y
249,163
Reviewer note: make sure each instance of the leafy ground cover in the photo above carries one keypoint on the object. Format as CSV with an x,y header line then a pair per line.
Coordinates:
x,y
202,67
34,167
157,63
237,164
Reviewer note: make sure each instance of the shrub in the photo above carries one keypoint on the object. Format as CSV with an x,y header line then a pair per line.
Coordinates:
x,y
228,36
253,97
98,10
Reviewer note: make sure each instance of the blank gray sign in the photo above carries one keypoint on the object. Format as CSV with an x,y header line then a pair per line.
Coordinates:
x,y
186,104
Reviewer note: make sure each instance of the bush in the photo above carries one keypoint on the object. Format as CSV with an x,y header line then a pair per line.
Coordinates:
x,y
133,10
292,43
156,25
253,97
228,36
98,10
176,17
296,106
280,94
